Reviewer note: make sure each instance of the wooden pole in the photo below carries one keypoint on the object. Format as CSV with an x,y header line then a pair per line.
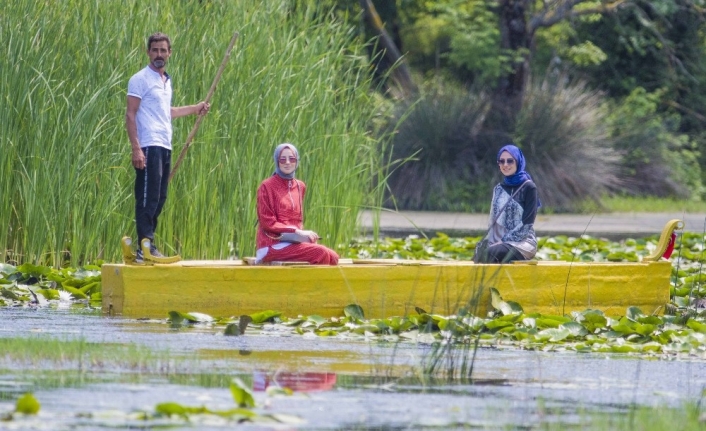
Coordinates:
x,y
190,138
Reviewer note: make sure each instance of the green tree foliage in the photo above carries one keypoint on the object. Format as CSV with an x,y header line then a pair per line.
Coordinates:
x,y
657,159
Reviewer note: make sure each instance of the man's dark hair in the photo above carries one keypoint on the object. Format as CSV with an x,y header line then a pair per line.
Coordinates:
x,y
158,37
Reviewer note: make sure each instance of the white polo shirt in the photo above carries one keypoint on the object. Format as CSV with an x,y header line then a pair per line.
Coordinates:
x,y
154,116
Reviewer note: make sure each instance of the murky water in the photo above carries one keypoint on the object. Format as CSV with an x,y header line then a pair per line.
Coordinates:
x,y
339,383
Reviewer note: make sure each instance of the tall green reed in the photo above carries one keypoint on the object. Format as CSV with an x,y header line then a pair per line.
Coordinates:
x,y
296,75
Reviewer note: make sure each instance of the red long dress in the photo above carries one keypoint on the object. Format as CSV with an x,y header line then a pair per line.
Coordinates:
x,y
279,210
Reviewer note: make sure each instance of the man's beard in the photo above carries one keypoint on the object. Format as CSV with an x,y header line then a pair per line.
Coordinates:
x,y
158,63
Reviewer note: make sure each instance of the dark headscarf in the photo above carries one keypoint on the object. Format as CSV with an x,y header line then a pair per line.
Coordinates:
x,y
278,151
520,175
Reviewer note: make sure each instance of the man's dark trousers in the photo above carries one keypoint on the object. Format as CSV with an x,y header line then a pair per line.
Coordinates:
x,y
151,190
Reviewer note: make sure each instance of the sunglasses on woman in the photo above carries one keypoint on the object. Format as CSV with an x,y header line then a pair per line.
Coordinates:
x,y
291,159
500,161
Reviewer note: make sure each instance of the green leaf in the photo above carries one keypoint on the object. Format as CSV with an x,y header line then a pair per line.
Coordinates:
x,y
634,313
75,292
495,299
362,329
696,326
316,319
231,330
553,334
576,329
497,323
171,408
37,271
7,269
241,394
264,316
27,405
355,311
175,317
7,293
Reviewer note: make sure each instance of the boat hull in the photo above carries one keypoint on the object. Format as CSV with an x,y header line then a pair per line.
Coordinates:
x,y
381,288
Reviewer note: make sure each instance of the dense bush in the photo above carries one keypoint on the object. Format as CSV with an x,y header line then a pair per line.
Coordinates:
x,y
656,160
436,144
563,133
453,140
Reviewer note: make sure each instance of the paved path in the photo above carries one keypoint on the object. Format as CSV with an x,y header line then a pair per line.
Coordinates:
x,y
609,225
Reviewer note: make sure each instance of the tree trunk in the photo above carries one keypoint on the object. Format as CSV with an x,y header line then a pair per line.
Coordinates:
x,y
388,56
516,37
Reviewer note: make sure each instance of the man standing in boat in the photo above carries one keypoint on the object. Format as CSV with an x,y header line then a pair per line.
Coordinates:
x,y
148,120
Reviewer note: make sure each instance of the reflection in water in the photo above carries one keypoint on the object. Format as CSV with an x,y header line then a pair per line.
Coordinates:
x,y
298,382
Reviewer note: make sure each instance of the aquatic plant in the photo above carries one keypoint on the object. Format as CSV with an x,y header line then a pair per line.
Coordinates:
x,y
507,327
296,74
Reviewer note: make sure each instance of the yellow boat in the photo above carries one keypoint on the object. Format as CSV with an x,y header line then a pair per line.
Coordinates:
x,y
384,287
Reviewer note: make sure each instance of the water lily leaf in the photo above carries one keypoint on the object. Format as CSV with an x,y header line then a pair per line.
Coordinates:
x,y
575,329
362,329
553,334
355,311
7,293
293,322
88,288
510,308
625,348
241,394
34,270
529,322
681,301
495,299
27,405
497,324
231,330
650,320
399,324
548,322
49,294
696,326
177,317
316,319
264,316
200,317
171,408
634,313
624,329
75,292
651,347
442,323
332,325
645,330
7,269
325,333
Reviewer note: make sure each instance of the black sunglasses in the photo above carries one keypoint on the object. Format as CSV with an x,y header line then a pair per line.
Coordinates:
x,y
506,161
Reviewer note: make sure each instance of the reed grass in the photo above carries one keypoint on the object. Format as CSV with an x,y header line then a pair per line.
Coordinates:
x,y
77,354
296,75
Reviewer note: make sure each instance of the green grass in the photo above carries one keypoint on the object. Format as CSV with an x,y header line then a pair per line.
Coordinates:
x,y
688,417
296,75
43,351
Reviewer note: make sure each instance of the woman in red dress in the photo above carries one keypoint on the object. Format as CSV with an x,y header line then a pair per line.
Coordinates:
x,y
279,210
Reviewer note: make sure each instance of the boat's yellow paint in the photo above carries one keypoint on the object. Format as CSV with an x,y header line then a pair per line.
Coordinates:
x,y
382,288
